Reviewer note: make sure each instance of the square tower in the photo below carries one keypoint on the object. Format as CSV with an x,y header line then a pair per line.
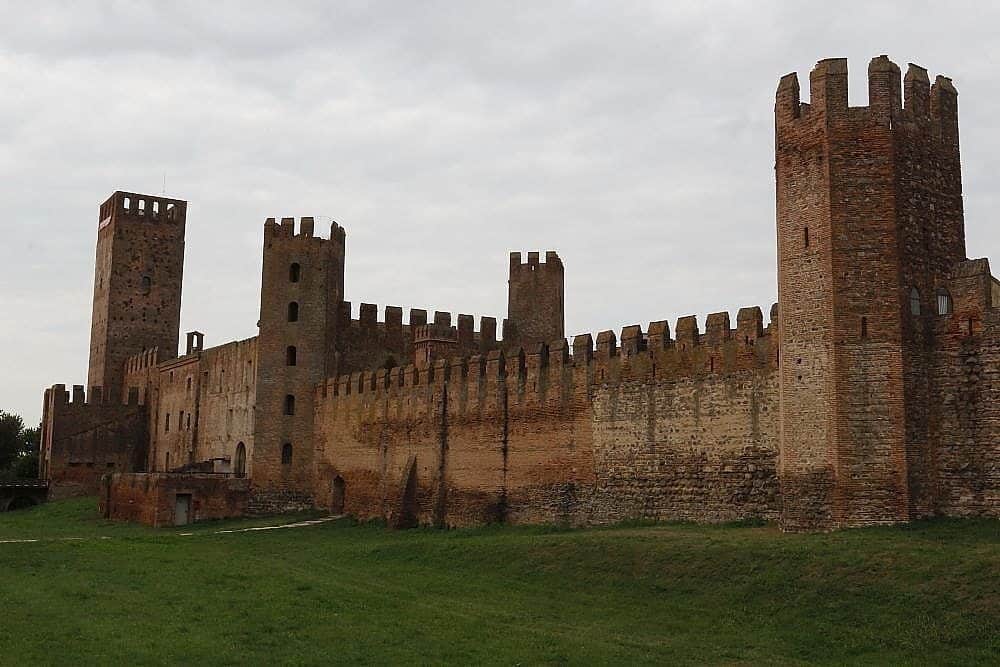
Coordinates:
x,y
535,311
302,288
137,283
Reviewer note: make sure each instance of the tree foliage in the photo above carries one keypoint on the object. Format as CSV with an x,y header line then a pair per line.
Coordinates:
x,y
18,447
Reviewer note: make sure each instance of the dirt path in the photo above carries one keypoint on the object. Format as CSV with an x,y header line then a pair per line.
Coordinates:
x,y
280,526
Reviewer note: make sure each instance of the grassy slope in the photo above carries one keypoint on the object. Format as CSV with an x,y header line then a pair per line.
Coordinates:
x,y
925,594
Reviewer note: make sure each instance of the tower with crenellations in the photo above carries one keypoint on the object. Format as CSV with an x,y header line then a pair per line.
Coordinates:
x,y
137,283
870,227
535,294
302,287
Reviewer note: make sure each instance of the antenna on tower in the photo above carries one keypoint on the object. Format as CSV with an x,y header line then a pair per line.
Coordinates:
x,y
164,191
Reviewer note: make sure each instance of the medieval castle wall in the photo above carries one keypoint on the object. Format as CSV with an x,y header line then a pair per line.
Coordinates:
x,y
83,439
871,397
655,428
200,405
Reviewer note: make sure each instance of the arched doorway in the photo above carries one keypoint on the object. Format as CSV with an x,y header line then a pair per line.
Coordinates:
x,y
240,461
337,500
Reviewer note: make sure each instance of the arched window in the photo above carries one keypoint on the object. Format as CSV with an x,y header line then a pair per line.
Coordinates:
x,y
147,284
294,272
166,425
240,463
293,311
289,404
914,301
864,327
286,454
943,302
291,355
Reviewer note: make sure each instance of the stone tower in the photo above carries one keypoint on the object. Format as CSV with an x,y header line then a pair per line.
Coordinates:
x,y
534,300
869,226
137,283
302,287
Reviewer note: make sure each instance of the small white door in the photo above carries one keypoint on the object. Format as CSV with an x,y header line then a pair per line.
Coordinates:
x,y
182,509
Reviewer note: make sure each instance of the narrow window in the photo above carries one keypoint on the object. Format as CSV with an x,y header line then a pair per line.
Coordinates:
x,y
943,302
166,425
293,311
914,301
189,386
290,355
166,462
147,285
971,330
864,327
805,236
240,464
180,421
189,422
294,272
286,454
289,404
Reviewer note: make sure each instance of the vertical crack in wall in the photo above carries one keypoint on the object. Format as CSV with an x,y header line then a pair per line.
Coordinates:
x,y
504,437
441,503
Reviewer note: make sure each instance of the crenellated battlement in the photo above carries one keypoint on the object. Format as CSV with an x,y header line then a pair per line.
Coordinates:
x,y
286,228
139,206
392,323
146,359
533,263
57,397
890,100
640,356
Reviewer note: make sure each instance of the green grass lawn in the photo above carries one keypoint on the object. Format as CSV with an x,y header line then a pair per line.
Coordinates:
x,y
336,592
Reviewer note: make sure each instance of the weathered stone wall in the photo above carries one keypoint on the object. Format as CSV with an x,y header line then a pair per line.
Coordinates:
x,y
81,441
367,344
175,431
226,401
663,429
965,417
150,498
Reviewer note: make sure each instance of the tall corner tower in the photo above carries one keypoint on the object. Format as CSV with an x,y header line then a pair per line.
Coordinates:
x,y
869,225
302,286
137,283
535,291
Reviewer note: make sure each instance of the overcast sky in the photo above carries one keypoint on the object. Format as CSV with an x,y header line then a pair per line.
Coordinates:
x,y
634,138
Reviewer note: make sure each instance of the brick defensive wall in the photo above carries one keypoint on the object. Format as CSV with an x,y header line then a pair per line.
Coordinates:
x,y
657,427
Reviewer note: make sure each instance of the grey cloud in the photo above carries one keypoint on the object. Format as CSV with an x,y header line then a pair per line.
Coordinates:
x,y
634,138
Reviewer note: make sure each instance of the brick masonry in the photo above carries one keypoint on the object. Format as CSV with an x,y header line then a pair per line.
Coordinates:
x,y
870,397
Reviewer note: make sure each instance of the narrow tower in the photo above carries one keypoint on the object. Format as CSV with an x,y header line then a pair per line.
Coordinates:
x,y
137,283
534,300
302,286
869,224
